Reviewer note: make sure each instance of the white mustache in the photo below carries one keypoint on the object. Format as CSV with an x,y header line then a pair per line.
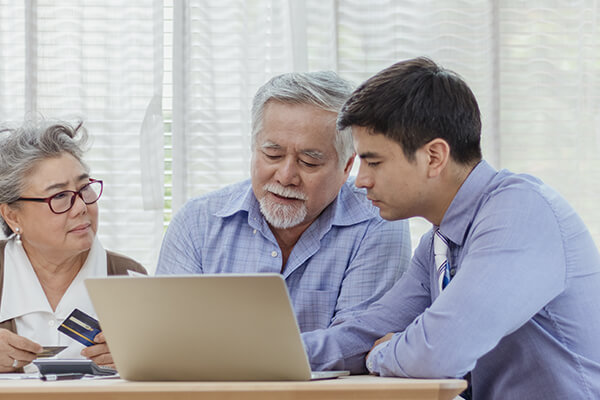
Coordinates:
x,y
284,192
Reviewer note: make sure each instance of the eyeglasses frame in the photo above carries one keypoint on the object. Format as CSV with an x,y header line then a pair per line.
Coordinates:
x,y
74,195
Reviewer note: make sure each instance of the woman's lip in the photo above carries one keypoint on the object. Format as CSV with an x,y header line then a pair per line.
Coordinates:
x,y
81,227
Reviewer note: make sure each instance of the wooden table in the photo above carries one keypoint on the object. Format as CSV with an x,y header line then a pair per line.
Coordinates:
x,y
344,388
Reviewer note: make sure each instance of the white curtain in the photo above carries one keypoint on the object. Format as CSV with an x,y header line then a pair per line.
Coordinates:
x,y
533,65
100,62
223,50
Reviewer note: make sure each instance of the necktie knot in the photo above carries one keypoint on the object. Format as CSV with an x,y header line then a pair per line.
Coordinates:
x,y
440,244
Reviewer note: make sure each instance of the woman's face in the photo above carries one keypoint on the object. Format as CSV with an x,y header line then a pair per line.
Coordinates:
x,y
53,235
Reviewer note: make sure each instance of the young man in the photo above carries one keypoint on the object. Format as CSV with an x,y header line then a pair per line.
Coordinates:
x,y
505,286
297,215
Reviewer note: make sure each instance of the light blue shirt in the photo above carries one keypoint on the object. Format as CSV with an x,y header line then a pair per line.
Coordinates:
x,y
522,312
345,260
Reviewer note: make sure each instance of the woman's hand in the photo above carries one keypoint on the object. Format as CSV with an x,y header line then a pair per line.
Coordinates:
x,y
16,351
99,353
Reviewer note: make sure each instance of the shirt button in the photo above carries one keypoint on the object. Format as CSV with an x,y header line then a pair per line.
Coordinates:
x,y
254,232
51,322
273,253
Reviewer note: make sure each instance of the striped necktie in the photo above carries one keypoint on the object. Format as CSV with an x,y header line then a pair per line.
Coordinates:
x,y
440,253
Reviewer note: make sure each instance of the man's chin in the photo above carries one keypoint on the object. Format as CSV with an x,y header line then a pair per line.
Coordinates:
x,y
385,214
280,225
282,216
283,222
390,216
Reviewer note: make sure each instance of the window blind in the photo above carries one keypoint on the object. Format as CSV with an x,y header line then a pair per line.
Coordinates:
x,y
125,68
100,62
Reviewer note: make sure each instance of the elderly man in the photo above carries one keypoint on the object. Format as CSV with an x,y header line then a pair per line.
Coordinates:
x,y
298,215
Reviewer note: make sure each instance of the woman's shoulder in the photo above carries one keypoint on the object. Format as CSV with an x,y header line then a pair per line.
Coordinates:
x,y
118,264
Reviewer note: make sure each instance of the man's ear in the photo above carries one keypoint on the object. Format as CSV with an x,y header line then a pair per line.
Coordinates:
x,y
349,165
9,215
438,153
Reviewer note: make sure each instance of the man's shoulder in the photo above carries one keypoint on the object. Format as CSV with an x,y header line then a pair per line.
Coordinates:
x,y
527,201
351,188
505,178
221,198
224,193
354,199
524,188
352,208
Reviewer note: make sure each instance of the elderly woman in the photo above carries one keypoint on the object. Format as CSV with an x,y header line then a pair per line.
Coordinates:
x,y
49,209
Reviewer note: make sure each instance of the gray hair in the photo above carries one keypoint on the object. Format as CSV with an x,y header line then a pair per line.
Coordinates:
x,y
23,147
323,89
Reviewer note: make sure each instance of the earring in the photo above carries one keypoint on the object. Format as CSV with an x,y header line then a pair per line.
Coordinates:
x,y
18,238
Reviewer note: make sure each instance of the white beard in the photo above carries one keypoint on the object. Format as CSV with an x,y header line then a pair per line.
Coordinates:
x,y
283,216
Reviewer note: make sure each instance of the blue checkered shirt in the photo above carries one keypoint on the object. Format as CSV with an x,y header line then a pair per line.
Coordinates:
x,y
346,259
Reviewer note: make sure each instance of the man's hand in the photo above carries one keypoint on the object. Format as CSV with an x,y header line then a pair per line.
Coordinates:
x,y
379,341
99,353
16,351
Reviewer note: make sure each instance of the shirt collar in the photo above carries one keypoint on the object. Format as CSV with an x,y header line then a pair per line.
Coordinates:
x,y
351,206
22,292
348,208
242,199
463,207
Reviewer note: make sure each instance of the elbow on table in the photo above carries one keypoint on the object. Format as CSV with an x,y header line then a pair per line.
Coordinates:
x,y
428,364
356,365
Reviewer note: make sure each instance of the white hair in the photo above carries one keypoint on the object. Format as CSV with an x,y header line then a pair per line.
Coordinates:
x,y
23,147
323,89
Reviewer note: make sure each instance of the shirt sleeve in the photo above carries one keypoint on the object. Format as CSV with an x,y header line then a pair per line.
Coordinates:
x,y
513,266
375,357
179,254
343,346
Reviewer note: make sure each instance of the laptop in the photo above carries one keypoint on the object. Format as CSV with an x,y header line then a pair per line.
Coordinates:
x,y
222,327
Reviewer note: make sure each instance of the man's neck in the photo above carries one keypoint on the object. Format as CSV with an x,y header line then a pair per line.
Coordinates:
x,y
287,239
454,177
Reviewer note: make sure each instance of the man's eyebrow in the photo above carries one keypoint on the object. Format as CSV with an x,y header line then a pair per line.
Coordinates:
x,y
368,154
270,145
316,154
62,185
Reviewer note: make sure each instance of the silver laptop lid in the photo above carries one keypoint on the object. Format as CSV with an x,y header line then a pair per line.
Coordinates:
x,y
201,327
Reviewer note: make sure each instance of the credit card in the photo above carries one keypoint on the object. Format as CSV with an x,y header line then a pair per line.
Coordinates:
x,y
50,351
81,327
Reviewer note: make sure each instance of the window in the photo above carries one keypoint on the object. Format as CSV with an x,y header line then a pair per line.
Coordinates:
x,y
165,86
